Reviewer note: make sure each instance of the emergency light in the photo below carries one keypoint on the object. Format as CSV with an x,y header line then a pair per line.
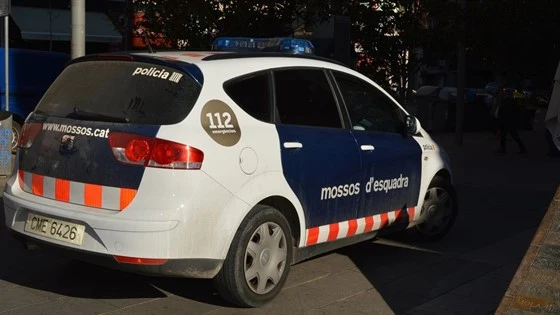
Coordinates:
x,y
278,44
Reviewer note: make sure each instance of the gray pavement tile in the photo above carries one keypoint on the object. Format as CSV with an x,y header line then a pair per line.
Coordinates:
x,y
549,263
168,305
332,262
453,304
312,295
118,303
487,288
346,282
368,302
552,251
401,301
17,296
382,263
63,306
504,251
303,273
440,278
304,297
543,277
535,304
521,312
505,272
550,293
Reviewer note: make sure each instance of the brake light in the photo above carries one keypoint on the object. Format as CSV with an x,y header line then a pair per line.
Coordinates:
x,y
29,132
153,152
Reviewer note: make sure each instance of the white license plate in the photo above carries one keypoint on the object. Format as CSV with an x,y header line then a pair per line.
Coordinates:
x,y
54,228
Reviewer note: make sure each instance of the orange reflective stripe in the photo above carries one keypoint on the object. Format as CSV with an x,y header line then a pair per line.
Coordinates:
x,y
126,197
93,195
352,227
384,220
333,232
312,236
37,184
20,178
62,190
369,224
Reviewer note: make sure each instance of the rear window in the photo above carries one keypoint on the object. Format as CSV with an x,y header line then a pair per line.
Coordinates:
x,y
121,91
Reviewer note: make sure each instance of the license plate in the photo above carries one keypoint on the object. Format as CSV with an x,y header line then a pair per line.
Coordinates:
x,y
54,228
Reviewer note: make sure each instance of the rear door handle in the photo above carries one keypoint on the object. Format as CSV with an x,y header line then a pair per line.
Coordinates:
x,y
367,147
293,145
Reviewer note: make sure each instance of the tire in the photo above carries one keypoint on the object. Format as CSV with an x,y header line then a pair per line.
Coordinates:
x,y
438,212
16,133
259,258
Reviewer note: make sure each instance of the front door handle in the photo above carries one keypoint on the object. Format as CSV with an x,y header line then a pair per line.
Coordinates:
x,y
367,147
293,145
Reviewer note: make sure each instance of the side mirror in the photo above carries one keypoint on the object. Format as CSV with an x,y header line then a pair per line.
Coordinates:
x,y
412,125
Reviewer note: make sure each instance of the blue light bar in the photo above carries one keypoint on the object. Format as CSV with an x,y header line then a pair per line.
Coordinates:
x,y
279,44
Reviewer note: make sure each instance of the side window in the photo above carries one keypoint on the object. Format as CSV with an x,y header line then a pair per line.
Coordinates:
x,y
252,94
304,97
369,108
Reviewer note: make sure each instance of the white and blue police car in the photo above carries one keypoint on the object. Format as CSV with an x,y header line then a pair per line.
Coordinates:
x,y
224,165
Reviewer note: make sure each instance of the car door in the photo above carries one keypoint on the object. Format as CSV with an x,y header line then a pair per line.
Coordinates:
x,y
320,158
391,159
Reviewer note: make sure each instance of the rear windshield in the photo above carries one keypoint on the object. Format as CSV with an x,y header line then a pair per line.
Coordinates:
x,y
121,91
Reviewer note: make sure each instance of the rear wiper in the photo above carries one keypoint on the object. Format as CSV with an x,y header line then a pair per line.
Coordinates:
x,y
85,115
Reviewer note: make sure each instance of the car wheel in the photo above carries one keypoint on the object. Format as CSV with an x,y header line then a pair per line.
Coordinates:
x,y
16,132
259,258
439,210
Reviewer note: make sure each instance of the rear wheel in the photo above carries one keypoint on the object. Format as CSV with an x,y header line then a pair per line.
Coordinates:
x,y
438,211
258,260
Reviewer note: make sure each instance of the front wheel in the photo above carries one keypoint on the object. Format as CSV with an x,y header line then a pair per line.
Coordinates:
x,y
258,261
438,211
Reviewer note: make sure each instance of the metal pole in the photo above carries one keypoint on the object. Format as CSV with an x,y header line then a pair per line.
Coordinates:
x,y
7,60
461,37
78,28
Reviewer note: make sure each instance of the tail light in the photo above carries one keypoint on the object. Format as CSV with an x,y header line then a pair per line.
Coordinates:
x,y
29,132
153,152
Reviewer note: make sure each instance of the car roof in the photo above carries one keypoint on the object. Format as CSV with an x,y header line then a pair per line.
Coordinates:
x,y
201,57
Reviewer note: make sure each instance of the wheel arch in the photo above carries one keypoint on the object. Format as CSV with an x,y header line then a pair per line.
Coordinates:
x,y
289,211
443,173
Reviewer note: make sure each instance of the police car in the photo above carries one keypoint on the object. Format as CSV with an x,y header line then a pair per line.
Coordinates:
x,y
225,165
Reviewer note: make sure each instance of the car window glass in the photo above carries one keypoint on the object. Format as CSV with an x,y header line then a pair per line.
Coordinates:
x,y
109,90
369,108
252,94
304,97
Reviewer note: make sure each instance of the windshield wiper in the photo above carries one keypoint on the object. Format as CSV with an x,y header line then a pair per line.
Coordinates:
x,y
85,115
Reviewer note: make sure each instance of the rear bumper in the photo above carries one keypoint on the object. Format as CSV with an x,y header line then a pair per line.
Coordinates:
x,y
107,236
187,268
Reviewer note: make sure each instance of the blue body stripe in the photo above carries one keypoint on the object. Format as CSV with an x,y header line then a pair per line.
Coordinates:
x,y
391,173
330,173
90,161
329,158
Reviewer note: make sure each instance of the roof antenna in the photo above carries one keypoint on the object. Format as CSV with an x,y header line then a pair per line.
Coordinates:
x,y
147,42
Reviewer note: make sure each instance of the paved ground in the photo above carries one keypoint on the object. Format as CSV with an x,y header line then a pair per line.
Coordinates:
x,y
502,201
536,284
